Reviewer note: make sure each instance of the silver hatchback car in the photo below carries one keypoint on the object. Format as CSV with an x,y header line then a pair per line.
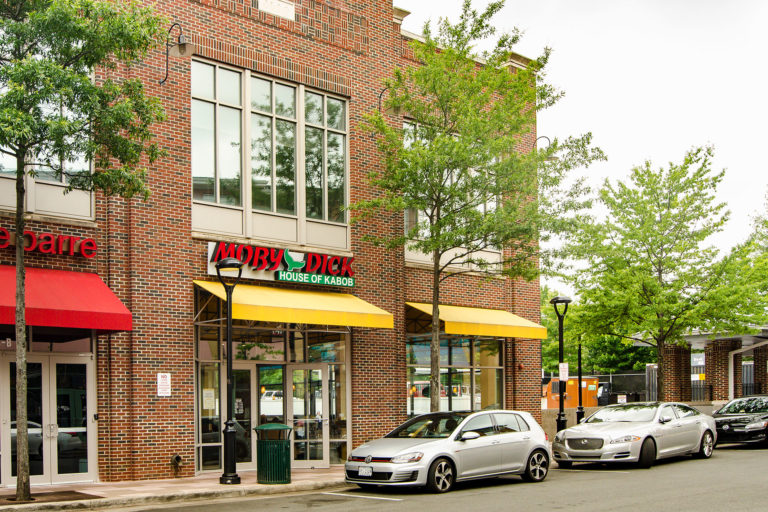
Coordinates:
x,y
439,449
636,432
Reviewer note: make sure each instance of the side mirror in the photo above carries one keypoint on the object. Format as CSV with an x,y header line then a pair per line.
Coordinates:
x,y
466,436
665,419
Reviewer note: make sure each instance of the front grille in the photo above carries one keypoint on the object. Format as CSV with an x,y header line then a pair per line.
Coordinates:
x,y
380,476
354,458
585,443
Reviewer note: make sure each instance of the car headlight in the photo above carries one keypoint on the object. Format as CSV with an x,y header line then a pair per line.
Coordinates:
x,y
407,457
560,436
625,439
757,425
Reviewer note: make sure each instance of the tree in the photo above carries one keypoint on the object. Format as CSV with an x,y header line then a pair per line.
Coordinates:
x,y
458,163
55,110
647,273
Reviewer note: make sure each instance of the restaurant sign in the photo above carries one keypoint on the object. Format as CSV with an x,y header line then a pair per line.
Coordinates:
x,y
274,264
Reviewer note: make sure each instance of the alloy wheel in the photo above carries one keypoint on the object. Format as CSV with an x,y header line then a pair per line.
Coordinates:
x,y
443,475
538,466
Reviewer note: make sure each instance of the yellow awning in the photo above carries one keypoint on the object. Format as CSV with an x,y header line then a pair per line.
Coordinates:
x,y
484,322
268,304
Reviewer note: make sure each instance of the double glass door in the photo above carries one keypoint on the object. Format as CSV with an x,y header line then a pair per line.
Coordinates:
x,y
296,395
60,422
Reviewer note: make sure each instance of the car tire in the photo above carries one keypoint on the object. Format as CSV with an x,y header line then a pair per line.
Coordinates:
x,y
537,467
441,475
564,464
706,446
647,453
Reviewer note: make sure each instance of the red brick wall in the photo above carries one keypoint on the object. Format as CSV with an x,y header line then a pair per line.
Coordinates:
x,y
761,369
677,373
716,366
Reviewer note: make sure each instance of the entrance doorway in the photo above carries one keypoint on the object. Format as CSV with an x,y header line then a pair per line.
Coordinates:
x,y
61,400
308,415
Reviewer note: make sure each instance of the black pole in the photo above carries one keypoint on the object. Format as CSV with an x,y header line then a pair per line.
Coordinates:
x,y
580,409
561,421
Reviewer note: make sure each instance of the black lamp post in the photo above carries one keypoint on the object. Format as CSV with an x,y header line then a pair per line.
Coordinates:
x,y
580,409
230,475
561,422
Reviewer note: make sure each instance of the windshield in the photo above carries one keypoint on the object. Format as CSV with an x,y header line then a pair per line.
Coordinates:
x,y
754,404
628,412
433,426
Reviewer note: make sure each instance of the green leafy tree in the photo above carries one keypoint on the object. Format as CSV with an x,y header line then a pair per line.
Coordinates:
x,y
458,165
648,273
55,110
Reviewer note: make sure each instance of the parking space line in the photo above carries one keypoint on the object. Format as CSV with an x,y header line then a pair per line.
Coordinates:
x,y
363,497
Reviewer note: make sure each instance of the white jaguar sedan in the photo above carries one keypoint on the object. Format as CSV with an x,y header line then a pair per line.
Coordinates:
x,y
439,449
636,432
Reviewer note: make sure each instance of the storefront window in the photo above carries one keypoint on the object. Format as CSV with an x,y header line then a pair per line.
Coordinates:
x,y
271,392
208,343
337,394
258,345
461,387
325,347
210,417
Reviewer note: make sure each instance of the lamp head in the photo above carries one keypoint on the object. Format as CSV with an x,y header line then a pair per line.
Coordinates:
x,y
560,299
183,47
229,264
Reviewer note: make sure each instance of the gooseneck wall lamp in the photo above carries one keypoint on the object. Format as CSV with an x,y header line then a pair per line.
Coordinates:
x,y
564,301
182,47
230,475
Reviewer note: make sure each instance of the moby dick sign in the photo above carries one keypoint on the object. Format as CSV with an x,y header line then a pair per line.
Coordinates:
x,y
274,264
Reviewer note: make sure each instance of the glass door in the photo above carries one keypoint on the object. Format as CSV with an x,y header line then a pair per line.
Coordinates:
x,y
243,387
62,435
308,415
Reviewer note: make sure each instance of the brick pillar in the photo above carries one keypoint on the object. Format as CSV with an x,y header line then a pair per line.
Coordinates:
x,y
677,373
716,366
761,369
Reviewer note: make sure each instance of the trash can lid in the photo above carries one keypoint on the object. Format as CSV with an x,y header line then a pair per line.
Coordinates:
x,y
272,426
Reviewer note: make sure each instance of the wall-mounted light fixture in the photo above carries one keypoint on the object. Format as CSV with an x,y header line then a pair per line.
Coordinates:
x,y
392,111
182,47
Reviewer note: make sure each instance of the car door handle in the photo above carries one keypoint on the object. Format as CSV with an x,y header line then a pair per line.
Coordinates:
x,y
526,438
496,442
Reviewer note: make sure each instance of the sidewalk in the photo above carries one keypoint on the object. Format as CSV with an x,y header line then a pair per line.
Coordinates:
x,y
128,494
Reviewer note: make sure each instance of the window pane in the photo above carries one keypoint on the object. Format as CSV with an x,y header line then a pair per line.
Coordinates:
x,y
202,80
229,156
418,390
337,399
271,408
418,352
210,424
258,345
229,87
208,343
261,162
480,424
459,354
488,352
261,94
337,114
313,158
285,167
203,151
455,393
313,108
507,423
325,347
488,393
285,100
47,174
336,177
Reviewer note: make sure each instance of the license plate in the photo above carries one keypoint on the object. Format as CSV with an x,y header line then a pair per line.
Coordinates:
x,y
365,471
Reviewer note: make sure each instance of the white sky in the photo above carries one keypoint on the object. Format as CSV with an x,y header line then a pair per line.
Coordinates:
x,y
651,79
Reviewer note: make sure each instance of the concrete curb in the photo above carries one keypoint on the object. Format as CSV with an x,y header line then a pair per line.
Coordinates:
x,y
129,501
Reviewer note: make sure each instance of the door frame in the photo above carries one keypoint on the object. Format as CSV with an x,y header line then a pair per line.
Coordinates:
x,y
325,419
48,362
253,370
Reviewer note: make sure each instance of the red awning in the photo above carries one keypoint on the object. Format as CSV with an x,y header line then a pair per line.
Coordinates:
x,y
58,298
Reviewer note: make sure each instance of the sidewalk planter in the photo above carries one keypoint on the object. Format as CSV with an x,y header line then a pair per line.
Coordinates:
x,y
273,453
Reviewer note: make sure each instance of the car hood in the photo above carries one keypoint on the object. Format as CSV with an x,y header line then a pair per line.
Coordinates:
x,y
736,419
605,429
389,446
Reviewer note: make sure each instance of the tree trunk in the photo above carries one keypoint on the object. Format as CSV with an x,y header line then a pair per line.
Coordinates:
x,y
22,444
434,351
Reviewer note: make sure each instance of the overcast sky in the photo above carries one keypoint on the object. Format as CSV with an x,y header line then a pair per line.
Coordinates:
x,y
651,79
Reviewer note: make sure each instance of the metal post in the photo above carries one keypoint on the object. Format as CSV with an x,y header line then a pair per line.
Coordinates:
x,y
580,409
561,421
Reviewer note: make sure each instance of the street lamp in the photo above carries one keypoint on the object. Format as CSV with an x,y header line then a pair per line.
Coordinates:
x,y
182,47
561,422
230,475
580,409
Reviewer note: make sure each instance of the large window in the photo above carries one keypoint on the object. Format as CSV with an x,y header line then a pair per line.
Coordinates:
x,y
471,374
279,147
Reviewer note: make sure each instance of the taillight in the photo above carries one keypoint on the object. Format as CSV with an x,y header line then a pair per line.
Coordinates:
x,y
546,436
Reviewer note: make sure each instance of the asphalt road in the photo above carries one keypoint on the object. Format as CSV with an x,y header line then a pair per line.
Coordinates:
x,y
735,478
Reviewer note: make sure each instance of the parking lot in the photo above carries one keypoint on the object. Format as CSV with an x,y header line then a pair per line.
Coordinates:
x,y
733,479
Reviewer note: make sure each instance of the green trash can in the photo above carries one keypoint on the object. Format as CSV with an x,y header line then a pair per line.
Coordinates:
x,y
273,453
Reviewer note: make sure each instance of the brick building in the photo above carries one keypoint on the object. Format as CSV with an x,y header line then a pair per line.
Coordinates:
x,y
126,365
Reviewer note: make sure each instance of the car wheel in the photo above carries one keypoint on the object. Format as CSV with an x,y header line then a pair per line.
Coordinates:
x,y
706,446
647,454
537,468
564,464
441,476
